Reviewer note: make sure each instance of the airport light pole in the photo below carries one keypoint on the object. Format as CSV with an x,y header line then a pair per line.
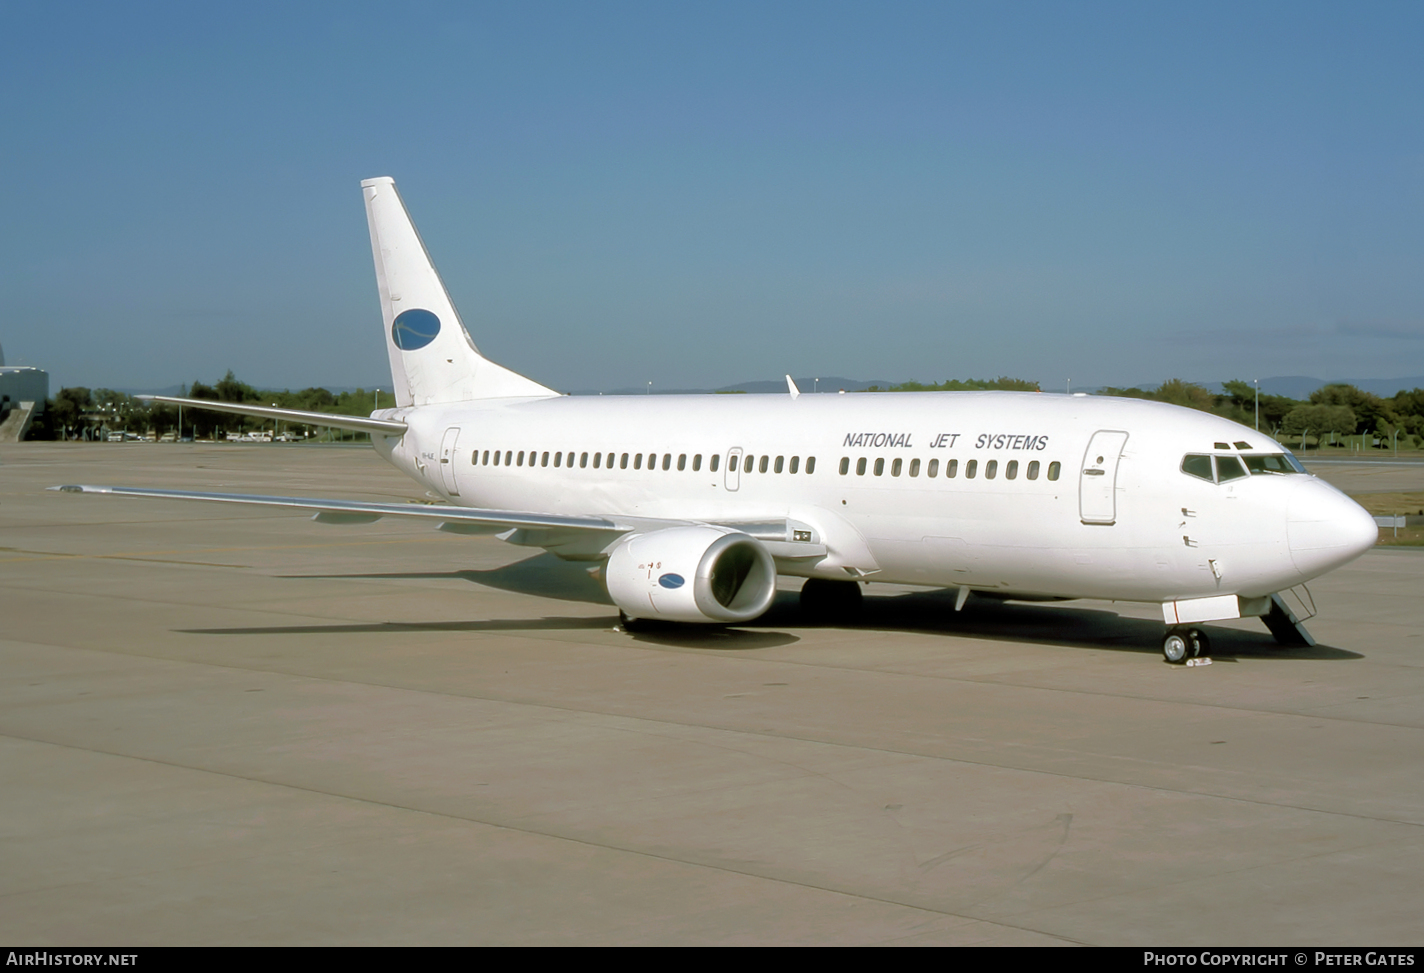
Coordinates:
x,y
1258,405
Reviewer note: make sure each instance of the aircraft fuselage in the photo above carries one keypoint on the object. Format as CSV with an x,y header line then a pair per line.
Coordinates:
x,y
1001,492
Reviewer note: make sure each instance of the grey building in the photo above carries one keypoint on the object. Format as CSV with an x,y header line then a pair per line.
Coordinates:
x,y
23,391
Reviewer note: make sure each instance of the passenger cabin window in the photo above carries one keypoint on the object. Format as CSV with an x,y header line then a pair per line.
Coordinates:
x,y
1012,470
951,468
1054,469
795,461
762,467
860,466
845,465
970,468
914,467
485,461
1032,470
697,462
667,461
991,469
780,464
508,455
895,467
558,458
713,463
681,461
583,460
880,466
748,463
637,461
520,460
810,465
933,469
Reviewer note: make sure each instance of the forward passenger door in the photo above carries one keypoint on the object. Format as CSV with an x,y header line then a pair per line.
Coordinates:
x,y
1097,483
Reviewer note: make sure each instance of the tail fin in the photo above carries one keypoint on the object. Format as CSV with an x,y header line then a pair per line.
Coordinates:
x,y
433,358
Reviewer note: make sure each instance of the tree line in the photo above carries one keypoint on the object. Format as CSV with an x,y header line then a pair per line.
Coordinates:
x,y
1331,411
73,410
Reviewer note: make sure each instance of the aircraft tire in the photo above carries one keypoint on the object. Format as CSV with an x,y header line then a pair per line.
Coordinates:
x,y
831,601
1177,647
630,624
1201,645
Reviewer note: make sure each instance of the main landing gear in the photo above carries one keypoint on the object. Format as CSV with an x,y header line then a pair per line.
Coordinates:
x,y
829,601
1182,644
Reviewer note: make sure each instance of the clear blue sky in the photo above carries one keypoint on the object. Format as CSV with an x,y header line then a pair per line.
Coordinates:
x,y
701,194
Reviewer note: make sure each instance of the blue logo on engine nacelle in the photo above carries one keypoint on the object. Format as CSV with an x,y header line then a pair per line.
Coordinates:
x,y
414,329
671,581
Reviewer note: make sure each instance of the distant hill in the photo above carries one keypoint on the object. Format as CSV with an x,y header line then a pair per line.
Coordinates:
x,y
1300,386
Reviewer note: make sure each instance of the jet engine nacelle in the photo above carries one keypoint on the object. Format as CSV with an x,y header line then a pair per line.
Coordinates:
x,y
692,574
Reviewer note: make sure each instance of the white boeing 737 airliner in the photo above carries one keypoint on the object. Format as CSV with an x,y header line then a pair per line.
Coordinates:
x,y
697,503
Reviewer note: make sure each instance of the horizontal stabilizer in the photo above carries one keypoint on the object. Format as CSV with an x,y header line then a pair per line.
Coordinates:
x,y
380,427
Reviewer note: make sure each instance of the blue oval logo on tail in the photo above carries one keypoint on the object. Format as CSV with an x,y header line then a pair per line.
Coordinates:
x,y
672,581
414,329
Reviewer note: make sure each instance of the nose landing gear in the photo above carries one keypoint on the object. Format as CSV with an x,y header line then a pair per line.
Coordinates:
x,y
1182,644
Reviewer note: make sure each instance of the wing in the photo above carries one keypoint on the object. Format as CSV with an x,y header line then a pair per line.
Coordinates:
x,y
575,538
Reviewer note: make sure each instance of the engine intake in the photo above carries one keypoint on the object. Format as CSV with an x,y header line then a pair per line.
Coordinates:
x,y
692,574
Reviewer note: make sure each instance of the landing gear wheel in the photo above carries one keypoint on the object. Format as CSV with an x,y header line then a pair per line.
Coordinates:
x,y
1201,645
630,624
1177,647
831,601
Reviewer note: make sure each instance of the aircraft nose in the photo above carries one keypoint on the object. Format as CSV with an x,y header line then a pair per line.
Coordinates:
x,y
1325,528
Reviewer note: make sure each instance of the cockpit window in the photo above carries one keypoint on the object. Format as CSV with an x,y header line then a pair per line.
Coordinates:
x,y
1277,463
1194,464
1229,468
1233,468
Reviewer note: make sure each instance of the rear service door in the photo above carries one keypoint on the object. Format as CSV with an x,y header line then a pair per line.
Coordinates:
x,y
1097,484
447,460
